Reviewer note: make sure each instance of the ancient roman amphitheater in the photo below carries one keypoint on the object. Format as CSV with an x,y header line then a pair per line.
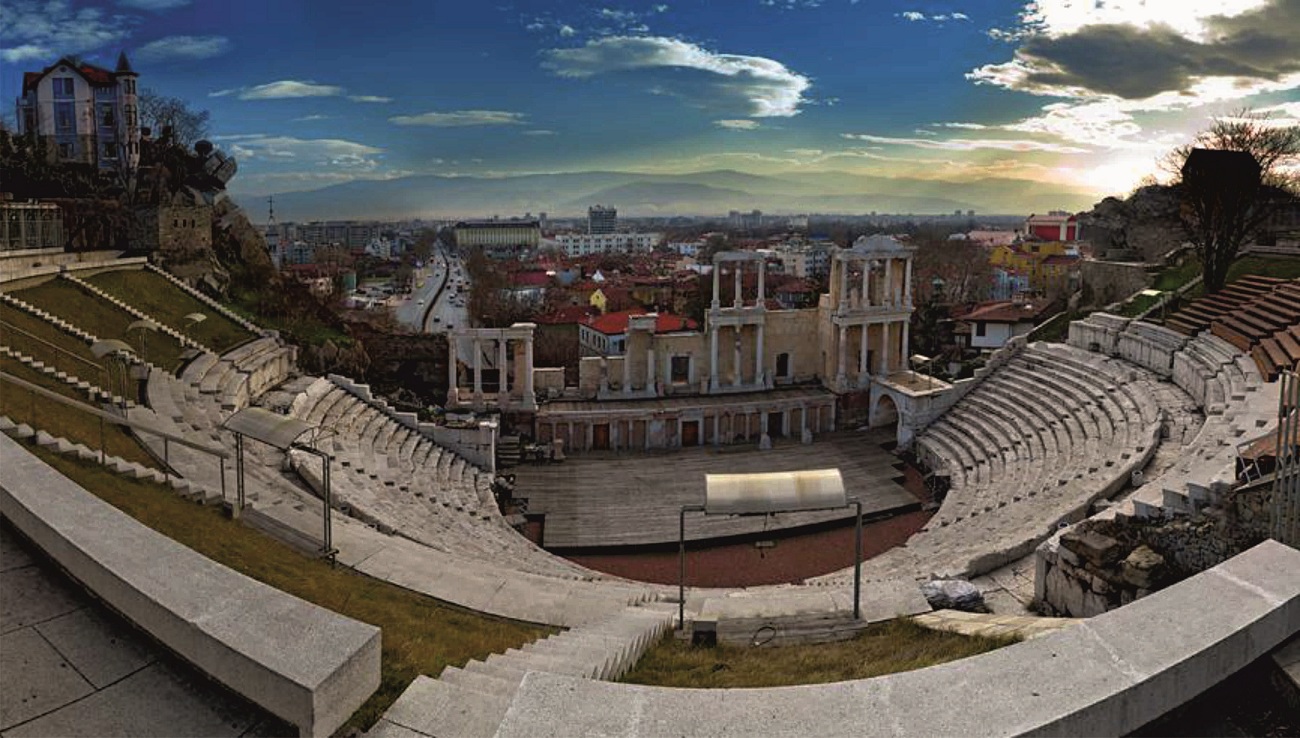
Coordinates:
x,y
1127,421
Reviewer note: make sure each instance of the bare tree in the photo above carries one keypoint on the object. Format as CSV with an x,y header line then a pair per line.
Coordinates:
x,y
161,113
1227,198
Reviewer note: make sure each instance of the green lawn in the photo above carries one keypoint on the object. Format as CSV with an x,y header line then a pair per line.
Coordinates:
x,y
1177,276
102,319
303,329
882,648
420,634
24,406
1138,305
1282,267
165,302
39,340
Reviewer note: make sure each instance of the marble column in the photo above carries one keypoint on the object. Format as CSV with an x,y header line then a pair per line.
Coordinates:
x,y
452,379
503,372
627,368
736,266
735,365
842,355
762,292
904,349
717,429
843,265
866,283
530,397
478,370
713,358
907,284
885,331
888,297
863,369
758,357
650,370
717,272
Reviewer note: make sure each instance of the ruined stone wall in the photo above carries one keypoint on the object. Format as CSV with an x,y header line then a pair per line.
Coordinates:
x,y
1102,564
1106,282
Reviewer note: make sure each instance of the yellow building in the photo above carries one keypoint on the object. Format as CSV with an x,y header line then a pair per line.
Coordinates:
x,y
599,301
1046,263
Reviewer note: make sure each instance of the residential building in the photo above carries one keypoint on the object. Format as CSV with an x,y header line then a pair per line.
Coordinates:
x,y
606,335
30,225
586,244
601,220
499,238
86,114
992,324
1057,225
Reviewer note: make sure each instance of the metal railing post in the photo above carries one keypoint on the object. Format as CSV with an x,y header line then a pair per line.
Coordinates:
x,y
857,562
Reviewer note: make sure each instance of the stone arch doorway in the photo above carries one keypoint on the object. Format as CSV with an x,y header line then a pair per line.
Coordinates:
x,y
884,412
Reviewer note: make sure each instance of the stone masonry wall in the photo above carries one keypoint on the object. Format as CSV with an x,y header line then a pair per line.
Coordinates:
x,y
1102,564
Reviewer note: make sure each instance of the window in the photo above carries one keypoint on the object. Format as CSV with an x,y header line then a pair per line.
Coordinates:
x,y
108,150
783,365
980,327
130,86
63,87
681,369
107,115
65,151
64,118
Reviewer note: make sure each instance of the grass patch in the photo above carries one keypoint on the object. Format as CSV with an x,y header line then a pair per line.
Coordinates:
x,y
882,648
302,328
1177,276
1138,305
420,634
164,301
33,336
24,406
101,319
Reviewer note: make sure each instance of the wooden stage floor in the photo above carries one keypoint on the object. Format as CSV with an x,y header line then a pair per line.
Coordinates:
x,y
606,499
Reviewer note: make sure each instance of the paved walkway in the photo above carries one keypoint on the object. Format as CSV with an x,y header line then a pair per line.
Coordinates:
x,y
69,667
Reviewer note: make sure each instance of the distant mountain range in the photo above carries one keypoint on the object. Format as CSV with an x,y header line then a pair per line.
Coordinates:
x,y
699,193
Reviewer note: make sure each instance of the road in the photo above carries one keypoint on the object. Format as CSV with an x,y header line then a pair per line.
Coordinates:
x,y
439,300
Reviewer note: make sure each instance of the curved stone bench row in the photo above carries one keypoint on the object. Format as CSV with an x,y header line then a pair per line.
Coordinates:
x,y
1048,418
303,663
401,482
1107,676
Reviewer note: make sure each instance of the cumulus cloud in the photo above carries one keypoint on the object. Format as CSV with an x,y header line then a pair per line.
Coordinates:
x,y
969,144
184,47
1130,51
754,85
312,117
915,16
282,89
332,152
741,124
30,29
539,132
460,118
370,98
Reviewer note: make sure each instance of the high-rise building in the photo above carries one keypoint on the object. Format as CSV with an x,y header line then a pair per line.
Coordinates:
x,y
86,114
601,219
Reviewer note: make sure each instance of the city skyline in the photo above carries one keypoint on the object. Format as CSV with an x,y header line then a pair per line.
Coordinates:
x,y
308,95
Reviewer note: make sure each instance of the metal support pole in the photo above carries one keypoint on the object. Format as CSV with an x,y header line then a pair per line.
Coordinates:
x,y
681,562
167,459
222,463
329,530
239,473
857,562
101,439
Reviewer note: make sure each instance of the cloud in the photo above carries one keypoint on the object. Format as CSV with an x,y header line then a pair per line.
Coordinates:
x,y
969,144
333,152
459,118
916,16
742,124
539,132
24,52
965,126
567,30
370,98
312,117
756,86
184,47
1128,50
30,29
153,4
283,89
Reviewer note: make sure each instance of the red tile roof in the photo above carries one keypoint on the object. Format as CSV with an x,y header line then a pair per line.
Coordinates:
x,y
1006,311
613,324
96,76
531,279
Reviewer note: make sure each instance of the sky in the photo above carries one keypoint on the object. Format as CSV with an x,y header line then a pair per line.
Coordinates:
x,y
307,94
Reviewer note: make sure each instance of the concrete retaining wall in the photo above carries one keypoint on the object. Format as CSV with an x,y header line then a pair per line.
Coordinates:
x,y
1107,676
303,663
